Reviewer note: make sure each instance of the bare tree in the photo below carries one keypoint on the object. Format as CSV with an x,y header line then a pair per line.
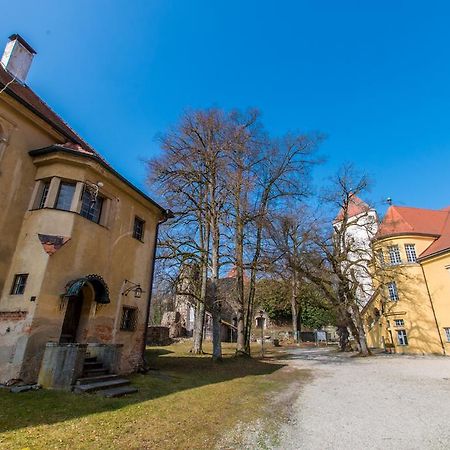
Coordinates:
x,y
188,177
340,258
281,175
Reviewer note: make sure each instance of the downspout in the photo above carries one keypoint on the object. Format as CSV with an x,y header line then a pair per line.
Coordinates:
x,y
432,308
168,215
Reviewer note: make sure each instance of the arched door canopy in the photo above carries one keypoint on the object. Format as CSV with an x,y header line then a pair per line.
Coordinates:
x,y
99,285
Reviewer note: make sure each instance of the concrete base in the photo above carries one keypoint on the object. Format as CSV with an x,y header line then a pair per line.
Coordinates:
x,y
61,365
108,354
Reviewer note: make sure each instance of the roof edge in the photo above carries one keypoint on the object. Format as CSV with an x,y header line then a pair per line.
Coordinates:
x,y
404,233
94,157
27,105
434,254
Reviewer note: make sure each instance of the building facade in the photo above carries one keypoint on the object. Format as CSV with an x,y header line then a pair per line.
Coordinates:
x,y
77,240
410,309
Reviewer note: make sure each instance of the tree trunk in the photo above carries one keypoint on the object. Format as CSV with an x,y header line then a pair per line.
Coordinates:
x,y
343,334
361,335
199,323
216,303
240,296
295,307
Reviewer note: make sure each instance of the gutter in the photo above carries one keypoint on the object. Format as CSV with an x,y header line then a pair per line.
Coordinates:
x,y
145,365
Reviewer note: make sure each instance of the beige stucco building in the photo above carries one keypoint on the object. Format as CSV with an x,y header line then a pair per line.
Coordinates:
x,y
410,310
77,240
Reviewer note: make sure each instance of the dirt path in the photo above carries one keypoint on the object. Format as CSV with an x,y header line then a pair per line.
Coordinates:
x,y
382,402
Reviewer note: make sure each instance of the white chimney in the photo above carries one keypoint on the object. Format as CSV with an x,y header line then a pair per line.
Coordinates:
x,y
17,57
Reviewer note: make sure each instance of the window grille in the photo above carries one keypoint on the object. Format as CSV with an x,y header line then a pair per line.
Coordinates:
x,y
19,283
394,255
410,250
399,322
393,291
138,229
401,337
129,319
91,210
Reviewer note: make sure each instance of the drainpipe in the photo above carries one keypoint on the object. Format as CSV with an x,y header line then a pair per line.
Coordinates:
x,y
434,312
168,215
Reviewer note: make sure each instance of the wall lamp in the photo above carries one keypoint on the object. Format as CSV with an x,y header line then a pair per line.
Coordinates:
x,y
136,288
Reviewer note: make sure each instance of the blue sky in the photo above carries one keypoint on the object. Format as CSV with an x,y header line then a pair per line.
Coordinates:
x,y
373,76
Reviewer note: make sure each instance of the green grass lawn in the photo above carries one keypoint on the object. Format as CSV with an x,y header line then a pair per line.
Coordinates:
x,y
187,403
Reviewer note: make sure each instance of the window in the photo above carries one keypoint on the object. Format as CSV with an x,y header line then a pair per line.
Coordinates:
x,y
410,250
394,255
129,319
401,337
19,283
65,196
138,229
44,194
393,291
399,322
447,333
92,210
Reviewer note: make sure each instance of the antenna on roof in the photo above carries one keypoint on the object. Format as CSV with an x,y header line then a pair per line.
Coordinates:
x,y
389,201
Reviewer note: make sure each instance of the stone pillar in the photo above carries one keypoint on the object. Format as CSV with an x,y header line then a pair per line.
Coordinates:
x,y
61,365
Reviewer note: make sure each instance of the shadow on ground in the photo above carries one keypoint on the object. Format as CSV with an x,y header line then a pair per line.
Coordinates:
x,y
324,355
171,373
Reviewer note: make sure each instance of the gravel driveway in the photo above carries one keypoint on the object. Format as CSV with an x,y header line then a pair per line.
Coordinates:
x,y
382,402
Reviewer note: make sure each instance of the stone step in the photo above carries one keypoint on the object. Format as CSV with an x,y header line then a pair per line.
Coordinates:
x,y
94,372
95,378
90,359
97,386
92,365
117,392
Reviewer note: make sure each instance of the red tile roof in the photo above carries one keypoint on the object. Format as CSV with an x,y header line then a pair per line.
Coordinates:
x,y
24,95
74,144
355,206
426,222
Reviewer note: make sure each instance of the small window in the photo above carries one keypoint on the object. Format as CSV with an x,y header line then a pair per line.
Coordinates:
x,y
410,250
44,194
394,255
20,281
65,196
401,337
447,333
91,208
399,322
129,319
393,291
138,229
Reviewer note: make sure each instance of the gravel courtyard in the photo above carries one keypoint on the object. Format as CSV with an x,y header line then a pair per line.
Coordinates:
x,y
382,402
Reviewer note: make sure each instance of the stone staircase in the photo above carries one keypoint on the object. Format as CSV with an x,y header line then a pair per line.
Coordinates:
x,y
97,380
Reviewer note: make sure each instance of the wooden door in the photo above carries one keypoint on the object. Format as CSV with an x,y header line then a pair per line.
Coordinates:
x,y
71,319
